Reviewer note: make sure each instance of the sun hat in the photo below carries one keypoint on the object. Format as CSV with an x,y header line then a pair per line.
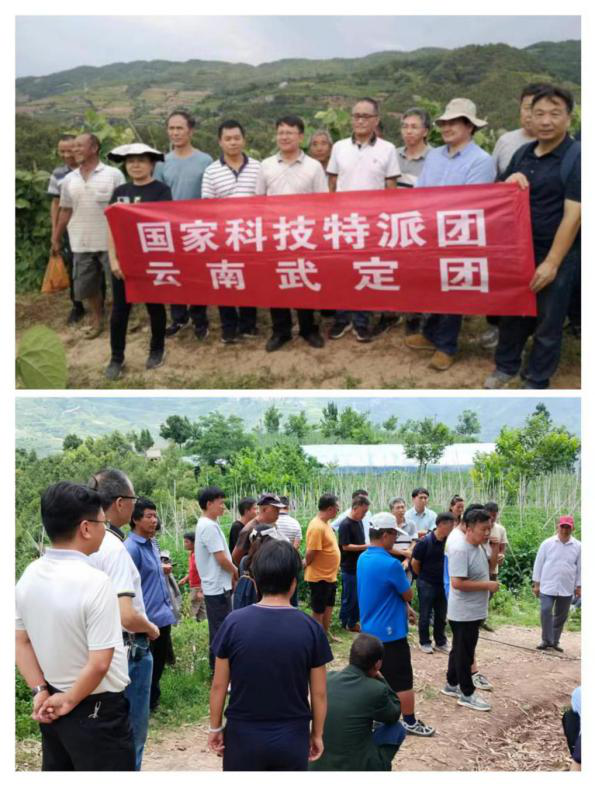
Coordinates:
x,y
462,107
118,154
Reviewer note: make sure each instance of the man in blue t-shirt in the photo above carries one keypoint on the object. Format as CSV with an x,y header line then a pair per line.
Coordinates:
x,y
383,594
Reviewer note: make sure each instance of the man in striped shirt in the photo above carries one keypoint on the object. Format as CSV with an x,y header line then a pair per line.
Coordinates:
x,y
233,174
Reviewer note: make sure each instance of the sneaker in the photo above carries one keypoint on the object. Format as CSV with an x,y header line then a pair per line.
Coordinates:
x,y
444,648
452,692
497,379
543,646
275,342
418,728
201,331
474,702
481,683
441,361
113,370
250,332
75,316
489,338
175,328
363,334
229,336
314,339
155,359
419,342
385,323
426,648
338,330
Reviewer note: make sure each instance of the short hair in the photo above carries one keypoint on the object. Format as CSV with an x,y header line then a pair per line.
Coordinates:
x,y
396,500
275,566
552,91
110,484
360,501
369,100
66,137
189,536
94,139
209,494
445,516
416,111
142,504
292,120
245,504
365,652
327,500
491,507
532,89
477,516
64,505
321,132
284,500
182,113
416,491
228,125
471,508
359,492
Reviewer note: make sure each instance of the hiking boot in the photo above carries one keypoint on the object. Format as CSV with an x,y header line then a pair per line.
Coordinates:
x,y
419,342
481,683
155,359
275,342
441,361
363,334
452,692
444,648
489,338
384,324
113,370
474,702
315,340
338,330
497,379
175,328
418,728
426,648
201,331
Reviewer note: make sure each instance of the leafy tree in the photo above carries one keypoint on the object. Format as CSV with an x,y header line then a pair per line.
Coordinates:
x,y
468,424
297,425
71,442
143,441
356,427
330,420
278,468
177,429
390,424
425,441
541,408
216,437
272,419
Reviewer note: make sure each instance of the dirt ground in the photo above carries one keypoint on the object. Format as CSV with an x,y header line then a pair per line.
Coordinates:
x,y
523,731
386,363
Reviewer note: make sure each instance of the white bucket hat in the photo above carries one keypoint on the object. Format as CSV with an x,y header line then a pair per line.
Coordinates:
x,y
118,154
462,107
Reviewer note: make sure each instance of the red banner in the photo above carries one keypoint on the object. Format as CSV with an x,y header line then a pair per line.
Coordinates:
x,y
462,250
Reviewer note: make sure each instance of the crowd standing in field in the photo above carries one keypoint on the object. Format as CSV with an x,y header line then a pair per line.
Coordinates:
x,y
94,616
540,155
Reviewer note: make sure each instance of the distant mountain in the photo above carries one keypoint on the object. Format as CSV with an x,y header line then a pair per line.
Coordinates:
x,y
42,423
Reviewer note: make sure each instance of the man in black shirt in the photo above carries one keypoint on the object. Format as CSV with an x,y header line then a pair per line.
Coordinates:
x,y
427,562
248,511
550,168
352,542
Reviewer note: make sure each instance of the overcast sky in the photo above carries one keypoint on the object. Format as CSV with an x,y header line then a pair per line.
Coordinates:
x,y
47,44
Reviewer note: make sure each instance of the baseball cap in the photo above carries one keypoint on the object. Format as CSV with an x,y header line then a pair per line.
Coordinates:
x,y
272,499
383,520
566,520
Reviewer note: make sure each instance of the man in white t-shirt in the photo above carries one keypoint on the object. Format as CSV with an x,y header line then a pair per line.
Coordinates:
x,y
362,162
288,525
218,573
117,498
69,646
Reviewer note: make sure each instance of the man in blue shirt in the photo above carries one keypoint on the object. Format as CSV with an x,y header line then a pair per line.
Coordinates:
x,y
383,594
144,552
458,162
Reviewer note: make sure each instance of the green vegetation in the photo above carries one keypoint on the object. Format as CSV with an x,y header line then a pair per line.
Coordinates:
x,y
41,360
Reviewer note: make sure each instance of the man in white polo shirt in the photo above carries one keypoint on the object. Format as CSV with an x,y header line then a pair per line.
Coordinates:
x,y
69,645
362,162
291,171
233,174
84,195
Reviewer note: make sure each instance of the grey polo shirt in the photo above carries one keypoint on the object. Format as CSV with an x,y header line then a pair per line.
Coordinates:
x,y
468,561
411,168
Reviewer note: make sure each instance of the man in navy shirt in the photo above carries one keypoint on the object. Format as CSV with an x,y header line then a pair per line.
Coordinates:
x,y
550,168
427,562
352,542
384,593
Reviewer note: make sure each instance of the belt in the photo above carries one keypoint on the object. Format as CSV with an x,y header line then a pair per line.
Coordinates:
x,y
130,637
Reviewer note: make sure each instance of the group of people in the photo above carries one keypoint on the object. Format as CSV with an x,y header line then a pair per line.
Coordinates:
x,y
540,156
94,616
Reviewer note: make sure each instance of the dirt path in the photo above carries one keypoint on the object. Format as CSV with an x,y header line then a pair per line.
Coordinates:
x,y
384,364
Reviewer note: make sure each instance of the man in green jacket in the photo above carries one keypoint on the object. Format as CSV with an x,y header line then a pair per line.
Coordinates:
x,y
357,697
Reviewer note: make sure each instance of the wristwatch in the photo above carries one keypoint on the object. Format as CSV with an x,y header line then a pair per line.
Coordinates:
x,y
40,688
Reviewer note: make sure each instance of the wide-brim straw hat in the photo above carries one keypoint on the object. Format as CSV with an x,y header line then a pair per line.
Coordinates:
x,y
118,154
462,107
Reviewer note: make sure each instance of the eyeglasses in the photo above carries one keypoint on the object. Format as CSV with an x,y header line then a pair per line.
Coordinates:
x,y
363,116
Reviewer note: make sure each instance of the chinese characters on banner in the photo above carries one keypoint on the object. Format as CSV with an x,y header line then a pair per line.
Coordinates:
x,y
462,250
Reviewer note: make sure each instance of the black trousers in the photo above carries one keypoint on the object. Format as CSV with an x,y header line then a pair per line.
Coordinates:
x,y
266,746
95,736
460,659
198,314
160,649
119,322
218,606
281,320
237,320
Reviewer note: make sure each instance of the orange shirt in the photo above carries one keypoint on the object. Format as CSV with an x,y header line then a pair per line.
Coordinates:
x,y
325,565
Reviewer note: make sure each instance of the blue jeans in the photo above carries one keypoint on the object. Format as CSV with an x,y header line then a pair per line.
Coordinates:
x,y
349,613
359,318
431,598
138,691
552,307
443,329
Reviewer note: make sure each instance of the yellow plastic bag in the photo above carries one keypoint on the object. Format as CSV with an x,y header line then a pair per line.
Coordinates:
x,y
56,276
